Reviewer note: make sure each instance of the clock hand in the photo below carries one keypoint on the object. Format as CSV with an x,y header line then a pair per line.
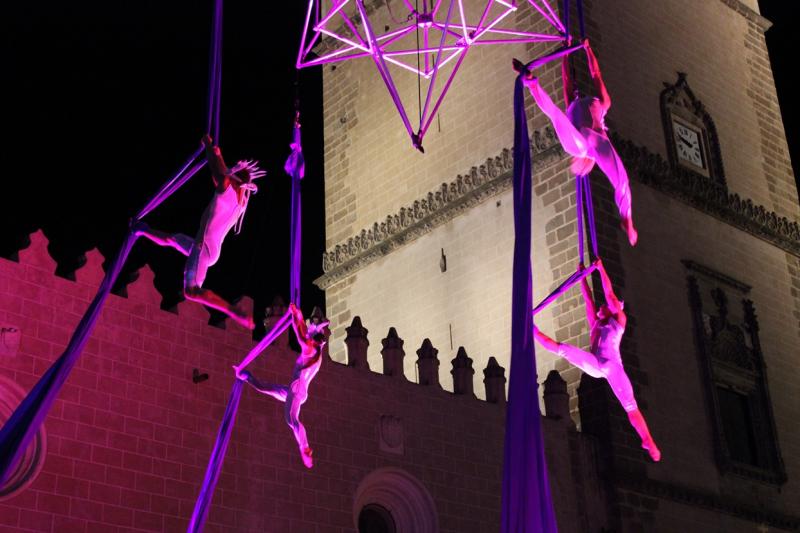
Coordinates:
x,y
687,143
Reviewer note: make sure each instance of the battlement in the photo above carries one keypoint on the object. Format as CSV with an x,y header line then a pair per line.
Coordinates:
x,y
126,442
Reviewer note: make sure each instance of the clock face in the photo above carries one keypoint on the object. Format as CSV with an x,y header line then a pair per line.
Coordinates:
x,y
688,145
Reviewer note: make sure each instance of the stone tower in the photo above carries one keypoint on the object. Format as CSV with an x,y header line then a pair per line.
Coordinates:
x,y
424,242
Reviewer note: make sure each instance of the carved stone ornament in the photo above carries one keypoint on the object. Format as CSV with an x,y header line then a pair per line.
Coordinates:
x,y
730,357
9,340
708,196
391,434
494,177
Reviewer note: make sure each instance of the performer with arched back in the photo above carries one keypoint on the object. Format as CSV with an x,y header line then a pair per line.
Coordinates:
x,y
225,211
582,133
311,339
603,360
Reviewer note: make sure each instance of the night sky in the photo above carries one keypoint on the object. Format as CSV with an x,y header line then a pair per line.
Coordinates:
x,y
104,100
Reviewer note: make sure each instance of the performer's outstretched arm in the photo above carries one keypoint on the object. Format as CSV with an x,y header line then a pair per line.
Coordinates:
x,y
216,164
298,324
597,78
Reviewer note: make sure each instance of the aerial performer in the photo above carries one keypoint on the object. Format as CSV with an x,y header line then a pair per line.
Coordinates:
x,y
311,338
225,211
582,133
603,360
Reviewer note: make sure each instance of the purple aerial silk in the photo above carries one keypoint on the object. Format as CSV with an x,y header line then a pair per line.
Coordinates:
x,y
564,287
526,506
583,196
217,458
215,462
215,73
24,423
26,420
296,167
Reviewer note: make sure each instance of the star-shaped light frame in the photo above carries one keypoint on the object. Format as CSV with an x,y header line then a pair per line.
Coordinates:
x,y
425,42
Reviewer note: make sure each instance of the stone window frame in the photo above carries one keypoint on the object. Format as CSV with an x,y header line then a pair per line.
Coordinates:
x,y
406,499
741,369
678,100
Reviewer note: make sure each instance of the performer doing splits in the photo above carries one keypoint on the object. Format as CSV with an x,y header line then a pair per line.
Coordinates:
x,y
582,133
226,210
311,339
607,323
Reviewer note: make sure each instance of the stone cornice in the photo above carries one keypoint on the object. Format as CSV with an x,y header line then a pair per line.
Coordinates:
x,y
698,498
436,208
494,177
763,23
707,196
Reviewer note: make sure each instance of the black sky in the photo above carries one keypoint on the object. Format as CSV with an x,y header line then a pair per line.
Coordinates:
x,y
105,99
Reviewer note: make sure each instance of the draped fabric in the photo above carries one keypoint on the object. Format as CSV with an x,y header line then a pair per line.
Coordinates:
x,y
26,420
24,423
296,168
527,506
215,462
214,468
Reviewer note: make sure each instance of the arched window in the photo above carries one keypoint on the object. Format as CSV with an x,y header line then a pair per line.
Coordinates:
x,y
375,519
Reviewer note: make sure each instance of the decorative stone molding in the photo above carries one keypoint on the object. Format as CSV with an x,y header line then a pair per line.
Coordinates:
x,y
494,177
651,169
391,434
436,208
732,364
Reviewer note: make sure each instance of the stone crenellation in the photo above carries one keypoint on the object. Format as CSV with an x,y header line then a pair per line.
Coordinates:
x,y
126,442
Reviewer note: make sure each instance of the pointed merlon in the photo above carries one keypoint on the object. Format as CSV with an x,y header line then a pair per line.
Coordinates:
x,y
428,363
393,354
357,344
494,378
462,373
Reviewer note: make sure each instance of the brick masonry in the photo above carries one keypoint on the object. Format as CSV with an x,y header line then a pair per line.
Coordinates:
x,y
128,439
641,46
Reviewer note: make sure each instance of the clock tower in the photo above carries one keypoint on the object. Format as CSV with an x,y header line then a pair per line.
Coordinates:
x,y
423,243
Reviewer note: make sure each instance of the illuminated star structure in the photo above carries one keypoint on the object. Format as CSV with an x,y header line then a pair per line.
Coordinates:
x,y
430,35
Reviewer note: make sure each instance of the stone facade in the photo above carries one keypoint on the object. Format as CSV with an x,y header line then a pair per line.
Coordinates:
x,y
127,441
417,211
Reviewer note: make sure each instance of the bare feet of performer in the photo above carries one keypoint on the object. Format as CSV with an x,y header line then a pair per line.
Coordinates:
x,y
607,322
224,212
311,339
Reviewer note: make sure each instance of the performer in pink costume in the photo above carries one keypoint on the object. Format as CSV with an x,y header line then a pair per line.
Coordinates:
x,y
311,339
582,133
226,210
607,323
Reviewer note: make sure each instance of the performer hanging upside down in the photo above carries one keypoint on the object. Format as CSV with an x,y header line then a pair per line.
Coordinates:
x,y
311,339
582,133
607,323
226,210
